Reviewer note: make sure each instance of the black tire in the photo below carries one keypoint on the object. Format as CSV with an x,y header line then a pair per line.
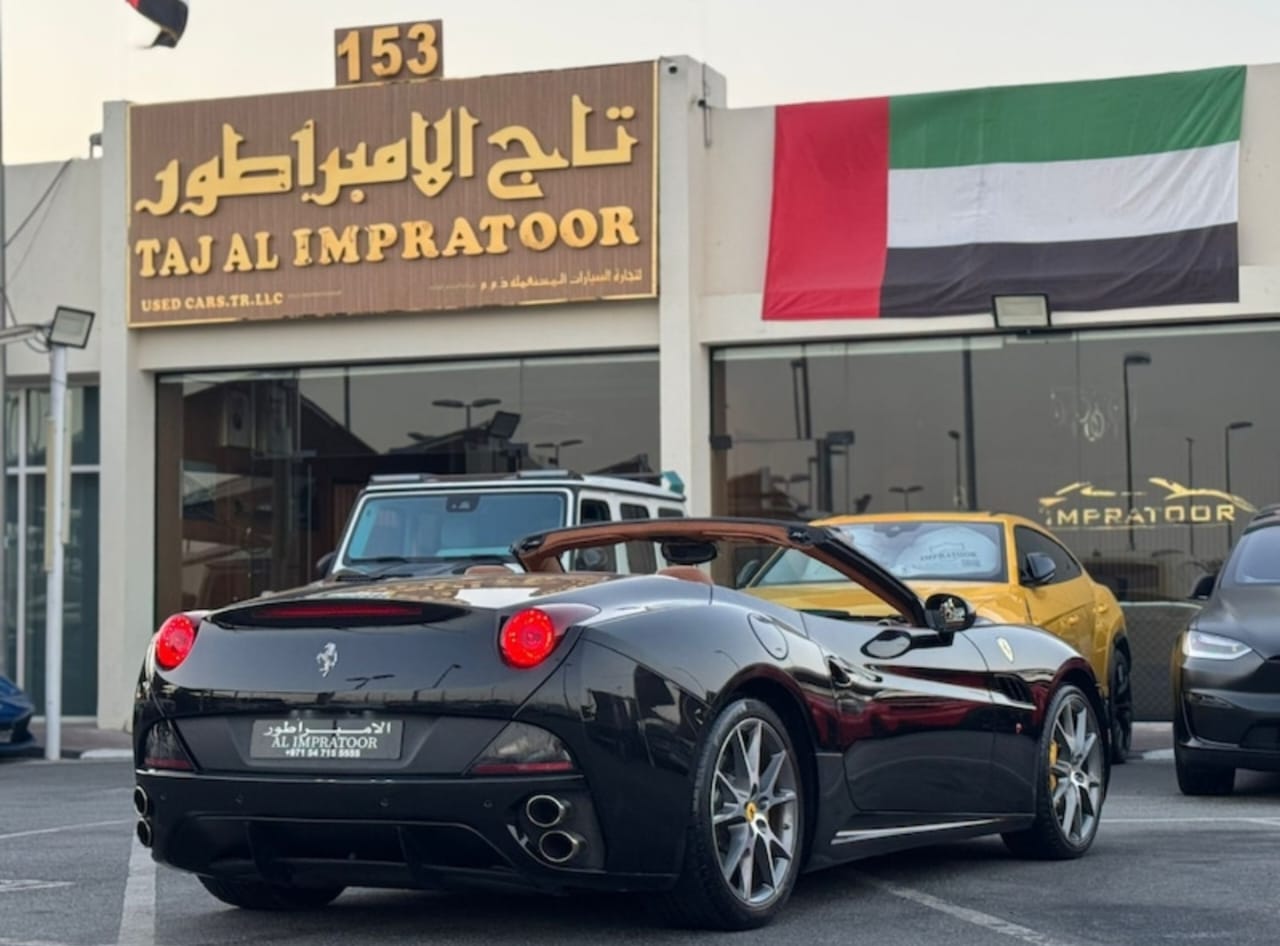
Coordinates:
x,y
703,897
1120,707
257,895
1203,779
1046,838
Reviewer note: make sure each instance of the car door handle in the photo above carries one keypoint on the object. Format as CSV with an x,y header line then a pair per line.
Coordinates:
x,y
845,675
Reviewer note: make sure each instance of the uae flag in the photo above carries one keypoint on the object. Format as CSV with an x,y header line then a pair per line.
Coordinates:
x,y
1103,194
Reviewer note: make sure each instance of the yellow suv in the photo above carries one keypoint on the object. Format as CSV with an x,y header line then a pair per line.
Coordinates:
x,y
1009,568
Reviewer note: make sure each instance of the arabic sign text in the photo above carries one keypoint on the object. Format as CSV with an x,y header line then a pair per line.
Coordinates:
x,y
466,183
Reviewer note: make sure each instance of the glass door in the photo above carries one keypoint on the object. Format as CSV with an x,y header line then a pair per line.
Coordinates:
x,y
26,580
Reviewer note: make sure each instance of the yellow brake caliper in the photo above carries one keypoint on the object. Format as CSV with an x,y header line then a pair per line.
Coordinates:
x,y
1053,760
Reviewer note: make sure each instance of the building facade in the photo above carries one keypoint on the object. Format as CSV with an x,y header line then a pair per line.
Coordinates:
x,y
215,455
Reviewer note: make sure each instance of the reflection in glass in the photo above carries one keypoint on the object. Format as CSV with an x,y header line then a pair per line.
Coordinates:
x,y
80,596
9,638
12,426
260,470
1110,438
82,425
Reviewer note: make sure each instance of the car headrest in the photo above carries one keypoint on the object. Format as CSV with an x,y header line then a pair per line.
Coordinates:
x,y
487,570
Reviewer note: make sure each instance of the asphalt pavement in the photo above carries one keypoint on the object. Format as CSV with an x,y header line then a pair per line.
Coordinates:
x,y
1164,869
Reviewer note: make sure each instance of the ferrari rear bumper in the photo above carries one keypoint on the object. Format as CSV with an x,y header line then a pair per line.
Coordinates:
x,y
425,833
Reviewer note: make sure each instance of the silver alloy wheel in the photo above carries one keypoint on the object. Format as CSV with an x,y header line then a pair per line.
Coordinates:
x,y
1075,770
753,811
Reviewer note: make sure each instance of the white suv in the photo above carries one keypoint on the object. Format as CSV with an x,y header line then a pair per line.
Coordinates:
x,y
423,524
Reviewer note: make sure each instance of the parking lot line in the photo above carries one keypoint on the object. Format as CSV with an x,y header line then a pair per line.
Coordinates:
x,y
138,914
1216,819
976,917
18,885
58,830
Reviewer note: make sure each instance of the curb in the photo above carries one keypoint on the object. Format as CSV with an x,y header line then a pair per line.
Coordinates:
x,y
107,754
36,751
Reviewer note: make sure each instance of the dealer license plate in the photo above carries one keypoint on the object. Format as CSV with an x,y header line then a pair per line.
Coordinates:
x,y
339,739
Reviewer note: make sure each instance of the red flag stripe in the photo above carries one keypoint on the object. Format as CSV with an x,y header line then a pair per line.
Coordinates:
x,y
829,225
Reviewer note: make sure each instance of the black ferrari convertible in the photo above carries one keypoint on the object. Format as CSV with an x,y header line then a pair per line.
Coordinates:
x,y
572,730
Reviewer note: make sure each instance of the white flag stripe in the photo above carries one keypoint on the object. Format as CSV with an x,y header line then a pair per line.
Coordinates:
x,y
1065,201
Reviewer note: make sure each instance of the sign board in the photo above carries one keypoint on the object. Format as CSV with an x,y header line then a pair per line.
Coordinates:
x,y
397,197
396,52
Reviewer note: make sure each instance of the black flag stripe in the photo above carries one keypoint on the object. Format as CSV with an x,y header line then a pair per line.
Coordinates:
x,y
169,15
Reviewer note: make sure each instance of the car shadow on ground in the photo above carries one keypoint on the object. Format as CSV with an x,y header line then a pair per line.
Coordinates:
x,y
530,917
365,915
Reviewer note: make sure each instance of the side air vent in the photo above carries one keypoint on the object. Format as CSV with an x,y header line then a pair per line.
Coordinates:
x,y
1015,688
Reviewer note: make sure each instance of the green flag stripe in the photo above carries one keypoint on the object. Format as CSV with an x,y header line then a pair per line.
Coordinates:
x,y
1104,118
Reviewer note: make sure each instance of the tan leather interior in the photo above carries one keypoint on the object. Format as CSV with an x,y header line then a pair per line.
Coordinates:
x,y
687,573
487,570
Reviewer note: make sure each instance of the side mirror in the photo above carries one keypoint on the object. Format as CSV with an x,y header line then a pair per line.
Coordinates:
x,y
948,614
1038,569
889,643
323,563
1203,587
746,573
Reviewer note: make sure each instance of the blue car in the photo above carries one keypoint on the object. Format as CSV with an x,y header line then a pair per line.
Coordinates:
x,y
15,718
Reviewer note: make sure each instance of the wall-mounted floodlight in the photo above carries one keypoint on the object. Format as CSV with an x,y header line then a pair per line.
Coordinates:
x,y
70,327
1022,312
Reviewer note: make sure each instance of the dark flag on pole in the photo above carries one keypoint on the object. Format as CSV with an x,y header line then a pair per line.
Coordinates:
x,y
169,15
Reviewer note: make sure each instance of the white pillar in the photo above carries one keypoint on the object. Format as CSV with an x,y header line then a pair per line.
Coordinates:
x,y
688,94
126,582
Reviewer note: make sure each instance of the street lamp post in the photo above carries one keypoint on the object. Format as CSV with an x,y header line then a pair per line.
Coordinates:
x,y
555,446
467,405
70,328
837,443
955,435
905,492
1135,358
794,479
1191,484
1226,452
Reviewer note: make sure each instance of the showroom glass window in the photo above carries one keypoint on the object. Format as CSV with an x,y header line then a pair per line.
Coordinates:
x,y
26,413
1033,425
1148,500
257,470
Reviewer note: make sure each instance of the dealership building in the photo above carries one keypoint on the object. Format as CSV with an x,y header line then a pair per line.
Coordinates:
x,y
608,270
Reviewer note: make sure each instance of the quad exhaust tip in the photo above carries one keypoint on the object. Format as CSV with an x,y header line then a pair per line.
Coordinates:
x,y
559,847
546,811
141,801
144,833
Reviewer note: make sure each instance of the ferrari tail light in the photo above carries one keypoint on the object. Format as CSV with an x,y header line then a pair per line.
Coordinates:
x,y
174,640
163,749
521,749
528,637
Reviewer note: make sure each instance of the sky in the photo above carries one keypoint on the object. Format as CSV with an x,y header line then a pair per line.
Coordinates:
x,y
63,58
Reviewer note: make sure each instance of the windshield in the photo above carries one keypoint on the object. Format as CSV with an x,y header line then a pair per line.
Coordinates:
x,y
912,550
450,526
1256,560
